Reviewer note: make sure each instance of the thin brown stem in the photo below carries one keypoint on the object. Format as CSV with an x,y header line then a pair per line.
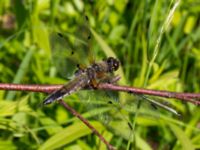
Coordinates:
x,y
185,97
75,113
29,87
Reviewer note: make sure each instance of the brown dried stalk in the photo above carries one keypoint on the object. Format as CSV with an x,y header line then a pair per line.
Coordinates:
x,y
75,113
185,97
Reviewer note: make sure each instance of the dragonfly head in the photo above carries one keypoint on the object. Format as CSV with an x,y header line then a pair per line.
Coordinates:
x,y
113,64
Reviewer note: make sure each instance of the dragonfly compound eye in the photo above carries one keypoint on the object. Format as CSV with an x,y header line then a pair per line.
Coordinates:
x,y
113,64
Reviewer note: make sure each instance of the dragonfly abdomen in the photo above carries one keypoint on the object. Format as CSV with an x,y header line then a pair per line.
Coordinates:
x,y
71,87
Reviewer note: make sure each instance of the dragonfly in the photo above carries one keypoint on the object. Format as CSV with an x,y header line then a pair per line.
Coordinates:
x,y
69,50
87,77
73,49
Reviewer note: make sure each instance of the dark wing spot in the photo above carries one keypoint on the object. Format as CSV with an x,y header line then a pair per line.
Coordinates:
x,y
89,37
60,34
110,102
86,18
130,126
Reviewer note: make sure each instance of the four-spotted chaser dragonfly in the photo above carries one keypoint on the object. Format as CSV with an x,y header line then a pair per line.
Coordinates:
x,y
73,51
85,77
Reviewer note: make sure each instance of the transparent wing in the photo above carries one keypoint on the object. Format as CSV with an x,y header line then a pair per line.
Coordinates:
x,y
72,48
62,52
116,112
160,104
105,107
119,118
156,103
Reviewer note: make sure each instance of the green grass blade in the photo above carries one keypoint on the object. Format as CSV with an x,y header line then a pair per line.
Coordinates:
x,y
24,66
185,142
69,134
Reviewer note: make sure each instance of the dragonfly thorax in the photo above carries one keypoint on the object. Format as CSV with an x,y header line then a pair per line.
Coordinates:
x,y
108,65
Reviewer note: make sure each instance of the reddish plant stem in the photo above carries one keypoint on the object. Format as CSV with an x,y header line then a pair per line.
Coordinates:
x,y
29,87
75,113
187,97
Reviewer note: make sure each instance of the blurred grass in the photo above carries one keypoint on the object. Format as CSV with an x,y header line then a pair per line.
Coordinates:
x,y
128,30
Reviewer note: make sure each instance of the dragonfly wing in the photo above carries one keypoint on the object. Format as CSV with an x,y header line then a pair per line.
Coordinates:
x,y
71,49
63,57
161,105
105,107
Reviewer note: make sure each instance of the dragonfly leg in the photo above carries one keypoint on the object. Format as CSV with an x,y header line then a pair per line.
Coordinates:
x,y
94,84
110,79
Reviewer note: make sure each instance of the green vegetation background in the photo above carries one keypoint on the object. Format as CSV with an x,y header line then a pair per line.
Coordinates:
x,y
155,53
